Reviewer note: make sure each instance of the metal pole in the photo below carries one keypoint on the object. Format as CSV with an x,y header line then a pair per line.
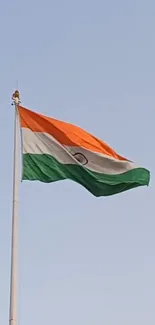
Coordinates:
x,y
13,278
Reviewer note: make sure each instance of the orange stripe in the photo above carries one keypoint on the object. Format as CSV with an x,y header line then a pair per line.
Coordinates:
x,y
65,133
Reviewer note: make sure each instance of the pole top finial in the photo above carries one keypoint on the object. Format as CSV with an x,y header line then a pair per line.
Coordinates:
x,y
16,97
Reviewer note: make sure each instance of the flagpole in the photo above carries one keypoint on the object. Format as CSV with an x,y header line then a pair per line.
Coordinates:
x,y
13,276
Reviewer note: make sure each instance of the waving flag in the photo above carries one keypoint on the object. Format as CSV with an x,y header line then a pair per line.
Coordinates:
x,y
54,150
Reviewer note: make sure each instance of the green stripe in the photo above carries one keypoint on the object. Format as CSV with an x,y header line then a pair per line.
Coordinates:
x,y
47,169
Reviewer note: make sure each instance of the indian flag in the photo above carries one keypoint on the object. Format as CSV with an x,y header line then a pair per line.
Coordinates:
x,y
54,150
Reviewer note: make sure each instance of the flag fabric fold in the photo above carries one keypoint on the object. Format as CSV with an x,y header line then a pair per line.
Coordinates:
x,y
54,150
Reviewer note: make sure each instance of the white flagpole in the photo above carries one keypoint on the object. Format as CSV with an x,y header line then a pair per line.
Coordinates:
x,y
13,277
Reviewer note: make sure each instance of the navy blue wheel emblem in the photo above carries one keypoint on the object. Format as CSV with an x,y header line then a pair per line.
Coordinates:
x,y
80,158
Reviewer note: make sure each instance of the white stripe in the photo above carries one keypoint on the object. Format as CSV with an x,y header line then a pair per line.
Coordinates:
x,y
43,143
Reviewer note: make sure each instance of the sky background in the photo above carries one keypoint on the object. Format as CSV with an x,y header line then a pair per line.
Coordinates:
x,y
82,260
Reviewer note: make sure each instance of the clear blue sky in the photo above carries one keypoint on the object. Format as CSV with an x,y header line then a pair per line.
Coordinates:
x,y
82,260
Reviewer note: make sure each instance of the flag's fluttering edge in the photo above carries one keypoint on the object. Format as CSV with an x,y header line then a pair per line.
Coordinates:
x,y
54,150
